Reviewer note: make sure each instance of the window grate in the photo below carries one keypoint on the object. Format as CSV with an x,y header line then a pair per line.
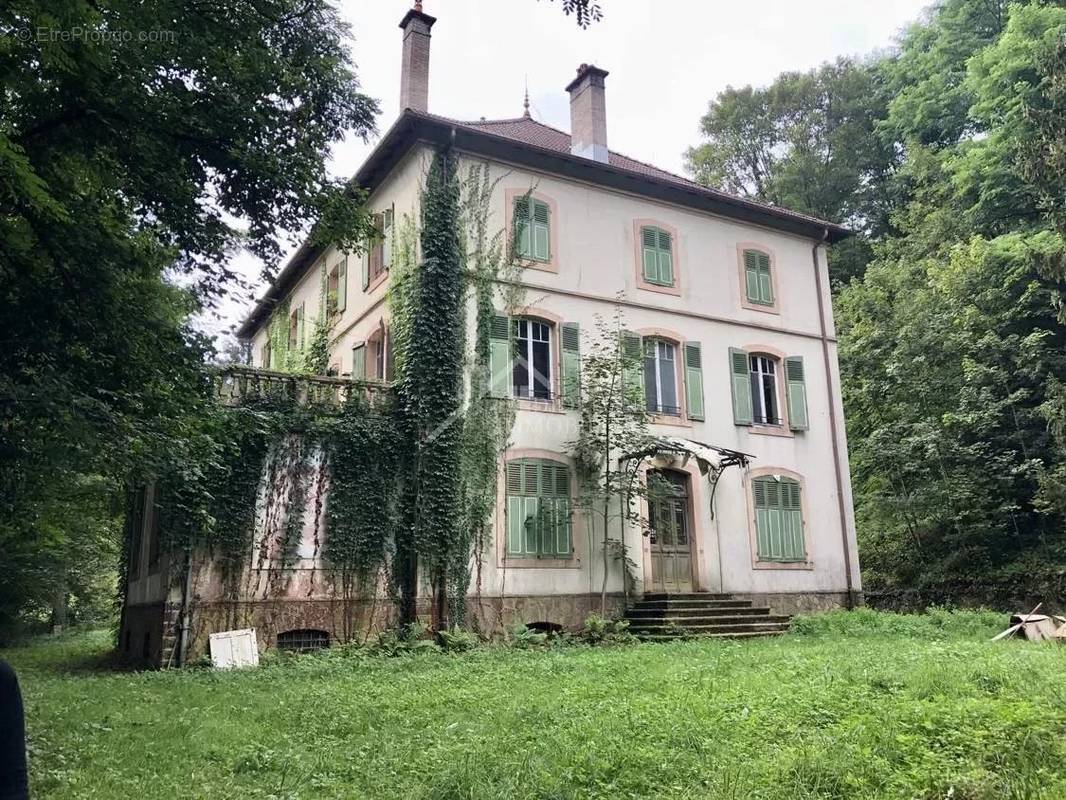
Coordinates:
x,y
303,640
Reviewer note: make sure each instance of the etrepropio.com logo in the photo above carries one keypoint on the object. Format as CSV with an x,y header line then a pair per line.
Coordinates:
x,y
90,35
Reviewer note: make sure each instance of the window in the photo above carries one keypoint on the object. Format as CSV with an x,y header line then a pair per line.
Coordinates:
x,y
378,257
538,509
531,372
660,377
296,329
657,252
532,228
264,356
778,519
337,288
758,284
764,403
378,359
757,393
303,640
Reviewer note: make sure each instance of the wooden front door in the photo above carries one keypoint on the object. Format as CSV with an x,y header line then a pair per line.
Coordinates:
x,y
670,537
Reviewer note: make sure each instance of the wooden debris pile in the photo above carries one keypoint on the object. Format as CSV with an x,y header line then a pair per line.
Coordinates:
x,y
1035,627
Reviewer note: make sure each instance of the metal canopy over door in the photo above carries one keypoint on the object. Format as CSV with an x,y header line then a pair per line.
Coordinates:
x,y
671,531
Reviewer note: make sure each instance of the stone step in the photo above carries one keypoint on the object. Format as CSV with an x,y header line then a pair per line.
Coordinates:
x,y
653,637
699,623
683,603
695,622
694,611
686,596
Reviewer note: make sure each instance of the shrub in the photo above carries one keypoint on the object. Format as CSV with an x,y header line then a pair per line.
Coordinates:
x,y
600,631
526,638
457,640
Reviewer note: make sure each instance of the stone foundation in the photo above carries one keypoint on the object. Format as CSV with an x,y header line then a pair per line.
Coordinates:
x,y
355,620
802,602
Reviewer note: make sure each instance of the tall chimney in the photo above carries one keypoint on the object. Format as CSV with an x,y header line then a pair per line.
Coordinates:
x,y
588,113
414,70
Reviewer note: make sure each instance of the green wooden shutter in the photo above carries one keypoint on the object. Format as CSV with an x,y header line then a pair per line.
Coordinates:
x,y
751,275
571,364
694,380
523,228
300,326
793,546
359,361
513,508
500,356
342,284
633,370
366,268
796,393
778,520
740,378
766,287
762,517
666,259
541,231
649,248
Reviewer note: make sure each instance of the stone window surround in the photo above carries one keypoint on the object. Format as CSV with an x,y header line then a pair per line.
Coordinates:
x,y
753,536
784,429
638,256
552,264
503,561
775,308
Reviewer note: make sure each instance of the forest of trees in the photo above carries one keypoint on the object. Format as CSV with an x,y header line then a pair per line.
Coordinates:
x,y
948,157
123,168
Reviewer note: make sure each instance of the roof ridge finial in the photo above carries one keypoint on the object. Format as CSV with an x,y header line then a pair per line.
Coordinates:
x,y
525,103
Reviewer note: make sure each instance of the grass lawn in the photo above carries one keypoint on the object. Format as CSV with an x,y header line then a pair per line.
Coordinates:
x,y
859,705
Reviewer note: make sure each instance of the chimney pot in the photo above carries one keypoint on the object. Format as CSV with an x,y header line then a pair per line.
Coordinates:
x,y
414,67
588,113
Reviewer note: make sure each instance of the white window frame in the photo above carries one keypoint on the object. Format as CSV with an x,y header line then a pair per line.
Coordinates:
x,y
764,367
528,356
660,346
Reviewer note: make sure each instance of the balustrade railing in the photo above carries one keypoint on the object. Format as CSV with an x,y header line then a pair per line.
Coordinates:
x,y
235,384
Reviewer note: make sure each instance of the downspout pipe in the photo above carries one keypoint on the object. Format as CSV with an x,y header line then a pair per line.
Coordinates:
x,y
834,423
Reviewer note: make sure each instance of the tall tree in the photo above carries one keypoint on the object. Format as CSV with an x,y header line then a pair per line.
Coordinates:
x,y
808,142
131,135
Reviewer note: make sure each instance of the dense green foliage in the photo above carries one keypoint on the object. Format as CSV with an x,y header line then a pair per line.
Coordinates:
x,y
856,705
946,155
131,134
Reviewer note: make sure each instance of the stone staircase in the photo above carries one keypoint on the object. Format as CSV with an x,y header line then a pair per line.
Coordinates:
x,y
661,617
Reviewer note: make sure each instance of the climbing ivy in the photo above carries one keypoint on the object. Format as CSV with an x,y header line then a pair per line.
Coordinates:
x,y
411,478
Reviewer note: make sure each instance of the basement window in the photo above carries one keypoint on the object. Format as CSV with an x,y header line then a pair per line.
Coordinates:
x,y
303,640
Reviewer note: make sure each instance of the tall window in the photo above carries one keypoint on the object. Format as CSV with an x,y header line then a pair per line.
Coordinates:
x,y
538,509
337,288
778,519
531,373
381,249
764,403
532,220
759,285
658,256
660,377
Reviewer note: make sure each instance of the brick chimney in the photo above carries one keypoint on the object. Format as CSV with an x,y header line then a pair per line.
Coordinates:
x,y
588,113
414,70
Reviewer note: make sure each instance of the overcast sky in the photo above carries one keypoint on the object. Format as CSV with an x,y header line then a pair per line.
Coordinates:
x,y
667,59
